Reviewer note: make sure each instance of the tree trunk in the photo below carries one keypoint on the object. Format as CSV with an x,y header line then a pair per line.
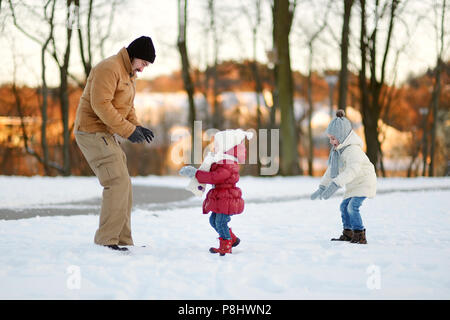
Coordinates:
x,y
187,80
343,74
310,113
44,144
435,107
371,93
425,144
256,75
437,91
86,58
368,120
289,154
64,96
64,103
217,117
274,60
258,93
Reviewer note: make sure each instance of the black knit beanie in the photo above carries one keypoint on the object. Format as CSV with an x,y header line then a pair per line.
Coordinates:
x,y
142,48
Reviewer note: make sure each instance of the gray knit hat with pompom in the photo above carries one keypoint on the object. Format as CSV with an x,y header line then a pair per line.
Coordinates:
x,y
340,127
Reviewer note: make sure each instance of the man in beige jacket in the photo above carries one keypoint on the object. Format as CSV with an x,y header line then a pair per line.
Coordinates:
x,y
106,109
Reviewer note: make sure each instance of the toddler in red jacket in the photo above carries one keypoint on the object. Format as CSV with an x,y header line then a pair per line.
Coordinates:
x,y
221,169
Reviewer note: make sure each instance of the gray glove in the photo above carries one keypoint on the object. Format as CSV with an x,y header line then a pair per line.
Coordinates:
x,y
332,188
317,194
188,171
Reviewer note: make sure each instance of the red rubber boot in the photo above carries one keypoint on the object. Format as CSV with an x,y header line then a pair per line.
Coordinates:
x,y
234,240
225,247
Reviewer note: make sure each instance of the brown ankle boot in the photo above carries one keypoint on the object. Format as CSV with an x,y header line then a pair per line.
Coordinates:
x,y
347,235
359,236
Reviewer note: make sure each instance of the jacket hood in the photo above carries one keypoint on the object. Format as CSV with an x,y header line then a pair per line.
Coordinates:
x,y
351,139
238,152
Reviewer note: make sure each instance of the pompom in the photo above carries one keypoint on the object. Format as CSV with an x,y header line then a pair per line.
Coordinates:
x,y
340,113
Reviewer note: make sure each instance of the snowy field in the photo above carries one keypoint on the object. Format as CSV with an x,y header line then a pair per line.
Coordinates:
x,y
285,252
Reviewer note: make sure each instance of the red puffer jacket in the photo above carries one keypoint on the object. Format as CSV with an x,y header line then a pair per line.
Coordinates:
x,y
225,197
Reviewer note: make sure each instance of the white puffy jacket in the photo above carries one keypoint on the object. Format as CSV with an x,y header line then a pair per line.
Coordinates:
x,y
356,172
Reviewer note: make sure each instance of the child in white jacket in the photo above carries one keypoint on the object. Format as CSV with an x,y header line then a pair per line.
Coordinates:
x,y
348,166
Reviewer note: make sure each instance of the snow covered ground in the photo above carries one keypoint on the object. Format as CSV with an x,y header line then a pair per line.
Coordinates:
x,y
285,252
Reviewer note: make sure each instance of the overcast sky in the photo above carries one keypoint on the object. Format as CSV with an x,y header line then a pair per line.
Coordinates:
x,y
158,19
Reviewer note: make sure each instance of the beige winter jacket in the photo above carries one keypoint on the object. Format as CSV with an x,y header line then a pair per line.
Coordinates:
x,y
356,172
107,101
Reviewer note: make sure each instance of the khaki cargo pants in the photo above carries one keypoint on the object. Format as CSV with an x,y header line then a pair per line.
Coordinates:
x,y
109,163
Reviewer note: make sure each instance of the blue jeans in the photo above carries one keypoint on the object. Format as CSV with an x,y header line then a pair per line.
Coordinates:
x,y
219,222
351,218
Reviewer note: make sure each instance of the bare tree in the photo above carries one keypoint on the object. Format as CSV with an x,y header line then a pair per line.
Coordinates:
x,y
44,43
283,13
440,32
44,117
256,16
311,37
187,80
20,105
48,45
85,51
371,89
63,94
92,32
217,108
343,73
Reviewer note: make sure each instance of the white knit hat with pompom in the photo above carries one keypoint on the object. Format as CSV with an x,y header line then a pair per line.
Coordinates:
x,y
228,139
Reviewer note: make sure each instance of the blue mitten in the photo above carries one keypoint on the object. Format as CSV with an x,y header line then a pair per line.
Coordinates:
x,y
317,194
332,188
188,171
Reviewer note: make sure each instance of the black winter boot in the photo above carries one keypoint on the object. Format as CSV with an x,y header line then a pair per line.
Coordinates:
x,y
359,236
347,235
116,247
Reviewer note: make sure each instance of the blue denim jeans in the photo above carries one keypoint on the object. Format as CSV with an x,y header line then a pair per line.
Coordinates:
x,y
351,218
219,222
